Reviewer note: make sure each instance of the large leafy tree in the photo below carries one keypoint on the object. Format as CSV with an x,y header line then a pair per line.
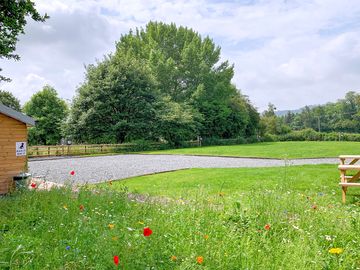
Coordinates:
x,y
115,103
165,83
8,99
187,69
50,112
12,22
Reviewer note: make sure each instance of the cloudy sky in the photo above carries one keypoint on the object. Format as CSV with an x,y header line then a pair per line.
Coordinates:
x,y
287,52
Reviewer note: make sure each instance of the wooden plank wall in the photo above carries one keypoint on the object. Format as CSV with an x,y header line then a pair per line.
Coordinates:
x,y
11,131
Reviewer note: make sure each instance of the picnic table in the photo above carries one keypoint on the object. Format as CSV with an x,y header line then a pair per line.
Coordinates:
x,y
348,163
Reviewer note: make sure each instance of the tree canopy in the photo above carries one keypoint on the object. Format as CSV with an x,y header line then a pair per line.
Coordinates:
x,y
340,116
174,77
50,112
12,22
8,99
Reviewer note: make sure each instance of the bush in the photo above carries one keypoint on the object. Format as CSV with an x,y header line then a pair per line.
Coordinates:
x,y
218,141
312,135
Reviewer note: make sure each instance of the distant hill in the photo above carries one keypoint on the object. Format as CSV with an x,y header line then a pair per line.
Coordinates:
x,y
284,112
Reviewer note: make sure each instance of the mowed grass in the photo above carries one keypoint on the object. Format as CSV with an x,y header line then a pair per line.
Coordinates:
x,y
233,181
281,150
267,218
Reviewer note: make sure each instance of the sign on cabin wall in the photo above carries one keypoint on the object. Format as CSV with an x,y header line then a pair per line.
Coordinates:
x,y
20,149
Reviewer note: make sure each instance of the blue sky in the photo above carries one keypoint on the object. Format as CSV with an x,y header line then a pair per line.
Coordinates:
x,y
290,53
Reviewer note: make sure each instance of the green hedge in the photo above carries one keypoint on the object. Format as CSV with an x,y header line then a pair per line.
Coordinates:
x,y
312,135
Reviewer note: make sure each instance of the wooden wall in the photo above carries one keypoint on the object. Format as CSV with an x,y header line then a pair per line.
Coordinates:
x,y
11,131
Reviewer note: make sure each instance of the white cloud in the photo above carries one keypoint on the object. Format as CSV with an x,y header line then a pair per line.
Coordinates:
x,y
290,53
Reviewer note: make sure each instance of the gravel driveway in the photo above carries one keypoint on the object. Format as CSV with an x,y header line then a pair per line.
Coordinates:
x,y
102,168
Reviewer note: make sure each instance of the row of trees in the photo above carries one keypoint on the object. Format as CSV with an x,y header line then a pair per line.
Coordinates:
x,y
163,83
340,116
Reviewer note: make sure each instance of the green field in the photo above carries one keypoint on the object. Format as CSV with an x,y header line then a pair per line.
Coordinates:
x,y
233,181
281,150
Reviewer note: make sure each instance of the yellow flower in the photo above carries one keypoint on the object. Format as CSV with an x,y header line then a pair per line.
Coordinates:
x,y
173,258
200,259
111,226
65,207
336,250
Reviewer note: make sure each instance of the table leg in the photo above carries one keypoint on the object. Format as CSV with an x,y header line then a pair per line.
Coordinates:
x,y
344,189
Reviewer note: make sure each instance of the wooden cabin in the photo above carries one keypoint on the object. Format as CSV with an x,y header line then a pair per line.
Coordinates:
x,y
13,145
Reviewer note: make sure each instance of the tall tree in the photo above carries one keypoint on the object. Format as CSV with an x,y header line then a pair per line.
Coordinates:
x,y
187,68
115,104
12,22
8,99
50,112
165,83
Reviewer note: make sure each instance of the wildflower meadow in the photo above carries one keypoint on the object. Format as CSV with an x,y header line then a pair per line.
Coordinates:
x,y
103,227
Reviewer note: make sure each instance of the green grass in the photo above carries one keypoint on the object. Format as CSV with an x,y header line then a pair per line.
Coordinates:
x,y
233,181
48,230
306,149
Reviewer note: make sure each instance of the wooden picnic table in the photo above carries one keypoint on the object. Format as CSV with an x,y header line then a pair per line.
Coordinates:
x,y
349,163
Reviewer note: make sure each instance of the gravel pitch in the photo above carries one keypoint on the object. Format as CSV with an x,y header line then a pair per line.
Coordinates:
x,y
103,168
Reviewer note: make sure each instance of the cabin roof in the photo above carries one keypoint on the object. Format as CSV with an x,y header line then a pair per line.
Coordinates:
x,y
16,115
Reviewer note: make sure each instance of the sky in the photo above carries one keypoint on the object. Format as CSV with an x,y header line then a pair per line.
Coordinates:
x,y
291,53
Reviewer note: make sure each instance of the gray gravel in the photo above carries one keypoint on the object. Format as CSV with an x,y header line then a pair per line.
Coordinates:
x,y
102,168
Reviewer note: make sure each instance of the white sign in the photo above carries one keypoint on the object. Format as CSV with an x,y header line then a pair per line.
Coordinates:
x,y
20,149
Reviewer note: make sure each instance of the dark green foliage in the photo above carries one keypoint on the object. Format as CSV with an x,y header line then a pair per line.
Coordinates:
x,y
309,134
176,122
163,83
188,70
49,111
115,104
8,99
12,22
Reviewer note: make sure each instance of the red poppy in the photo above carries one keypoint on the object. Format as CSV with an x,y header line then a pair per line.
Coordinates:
x,y
72,172
147,231
33,185
267,227
81,207
116,259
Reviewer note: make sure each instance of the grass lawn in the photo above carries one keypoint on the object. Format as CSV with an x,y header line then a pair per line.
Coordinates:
x,y
234,181
273,150
270,218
